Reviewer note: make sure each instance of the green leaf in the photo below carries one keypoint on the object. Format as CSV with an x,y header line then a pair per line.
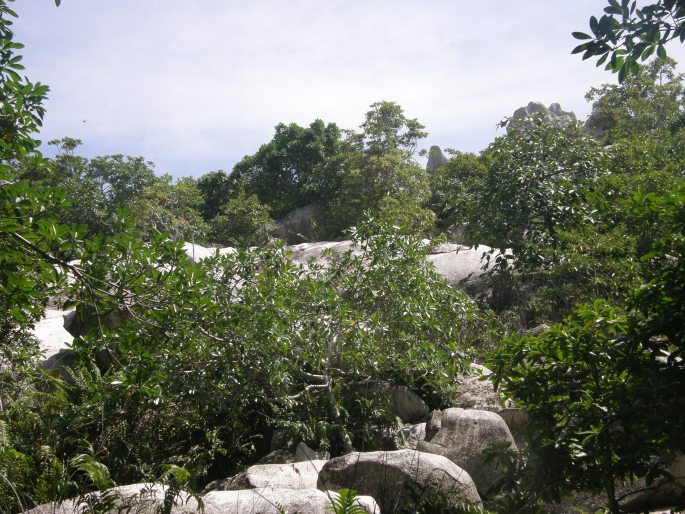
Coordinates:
x,y
581,35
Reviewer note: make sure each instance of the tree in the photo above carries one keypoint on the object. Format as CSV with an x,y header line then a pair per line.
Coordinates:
x,y
538,183
297,167
172,208
604,389
386,129
454,187
382,172
626,34
243,221
216,188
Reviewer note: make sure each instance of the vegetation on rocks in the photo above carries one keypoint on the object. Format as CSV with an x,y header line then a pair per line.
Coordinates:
x,y
182,371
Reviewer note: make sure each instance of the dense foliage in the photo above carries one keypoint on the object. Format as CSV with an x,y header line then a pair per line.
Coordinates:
x,y
182,371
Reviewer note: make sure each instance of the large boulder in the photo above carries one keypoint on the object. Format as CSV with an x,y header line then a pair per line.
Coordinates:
x,y
404,403
298,475
389,477
410,435
476,391
274,501
134,498
54,339
299,225
196,252
462,266
461,435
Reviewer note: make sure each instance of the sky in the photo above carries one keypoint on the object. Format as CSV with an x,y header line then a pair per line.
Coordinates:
x,y
194,86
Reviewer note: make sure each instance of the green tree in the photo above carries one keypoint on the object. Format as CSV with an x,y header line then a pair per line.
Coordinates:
x,y
173,208
216,188
455,185
604,389
297,167
243,221
627,34
538,183
382,172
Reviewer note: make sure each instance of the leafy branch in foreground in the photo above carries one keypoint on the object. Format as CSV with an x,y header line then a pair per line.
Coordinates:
x,y
627,34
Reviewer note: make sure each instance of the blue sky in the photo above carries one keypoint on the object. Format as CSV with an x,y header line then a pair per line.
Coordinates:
x,y
195,85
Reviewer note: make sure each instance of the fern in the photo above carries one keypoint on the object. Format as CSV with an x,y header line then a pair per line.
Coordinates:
x,y
346,502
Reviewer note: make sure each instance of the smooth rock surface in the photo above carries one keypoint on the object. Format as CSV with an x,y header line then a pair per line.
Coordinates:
x,y
53,338
387,477
268,501
196,252
298,475
134,498
463,435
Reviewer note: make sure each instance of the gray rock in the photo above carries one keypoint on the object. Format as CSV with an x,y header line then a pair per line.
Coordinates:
x,y
298,475
539,329
410,435
299,225
435,159
388,477
405,404
464,267
196,252
278,457
476,391
306,251
553,114
134,498
462,437
53,339
269,501
304,453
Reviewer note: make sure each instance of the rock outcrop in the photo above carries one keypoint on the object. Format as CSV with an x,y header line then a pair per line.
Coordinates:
x,y
128,498
298,475
299,225
269,501
435,159
389,476
553,114
461,435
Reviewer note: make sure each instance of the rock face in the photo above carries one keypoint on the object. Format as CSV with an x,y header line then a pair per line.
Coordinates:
x,y
435,159
462,266
143,498
299,225
462,435
53,339
269,501
476,393
298,475
388,476
405,404
196,253
410,435
552,114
